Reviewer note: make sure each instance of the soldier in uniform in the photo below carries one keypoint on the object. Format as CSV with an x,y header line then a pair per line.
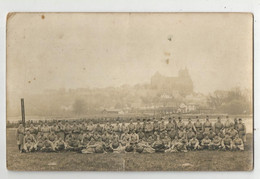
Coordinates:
x,y
193,143
198,125
238,143
162,127
117,128
227,142
156,126
241,130
190,125
29,142
158,145
190,134
205,143
59,145
228,125
180,124
207,126
211,134
124,128
216,143
33,130
170,125
218,126
20,136
131,126
139,127
148,129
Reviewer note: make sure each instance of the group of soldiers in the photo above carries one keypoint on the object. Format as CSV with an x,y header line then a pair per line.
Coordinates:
x,y
141,136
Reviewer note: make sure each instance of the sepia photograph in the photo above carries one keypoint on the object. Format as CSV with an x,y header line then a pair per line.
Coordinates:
x,y
129,91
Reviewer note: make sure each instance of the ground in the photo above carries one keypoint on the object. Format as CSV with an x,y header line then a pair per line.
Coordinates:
x,y
70,161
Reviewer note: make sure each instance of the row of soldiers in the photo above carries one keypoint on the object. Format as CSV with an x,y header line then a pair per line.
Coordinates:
x,y
145,136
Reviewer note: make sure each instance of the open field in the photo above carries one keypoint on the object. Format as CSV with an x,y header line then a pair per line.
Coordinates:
x,y
71,161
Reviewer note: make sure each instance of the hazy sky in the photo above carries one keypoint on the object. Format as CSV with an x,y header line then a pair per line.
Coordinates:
x,y
59,50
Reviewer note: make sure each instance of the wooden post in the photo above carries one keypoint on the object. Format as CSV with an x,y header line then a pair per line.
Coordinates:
x,y
23,112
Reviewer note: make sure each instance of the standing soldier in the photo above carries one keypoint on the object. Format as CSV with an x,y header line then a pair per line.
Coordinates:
x,y
148,129
190,125
170,125
117,128
241,130
228,125
138,127
162,127
156,126
218,126
180,124
235,123
124,128
33,130
131,126
198,124
207,126
45,129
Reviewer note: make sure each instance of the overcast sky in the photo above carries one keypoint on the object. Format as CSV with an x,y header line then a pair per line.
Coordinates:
x,y
51,51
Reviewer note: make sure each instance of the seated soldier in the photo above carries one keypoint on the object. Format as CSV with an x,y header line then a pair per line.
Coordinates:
x,y
173,146
124,128
190,134
180,145
233,132
226,142
107,146
52,137
238,143
173,133
166,140
216,143
158,145
144,147
150,140
59,144
90,148
29,142
124,139
99,129
133,141
114,144
73,144
200,135
47,146
40,143
205,143
182,133
193,143
211,134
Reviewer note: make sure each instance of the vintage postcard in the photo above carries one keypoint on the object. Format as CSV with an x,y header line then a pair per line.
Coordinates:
x,y
129,91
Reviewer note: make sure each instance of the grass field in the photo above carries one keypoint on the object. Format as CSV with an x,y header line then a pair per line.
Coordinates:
x,y
70,161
